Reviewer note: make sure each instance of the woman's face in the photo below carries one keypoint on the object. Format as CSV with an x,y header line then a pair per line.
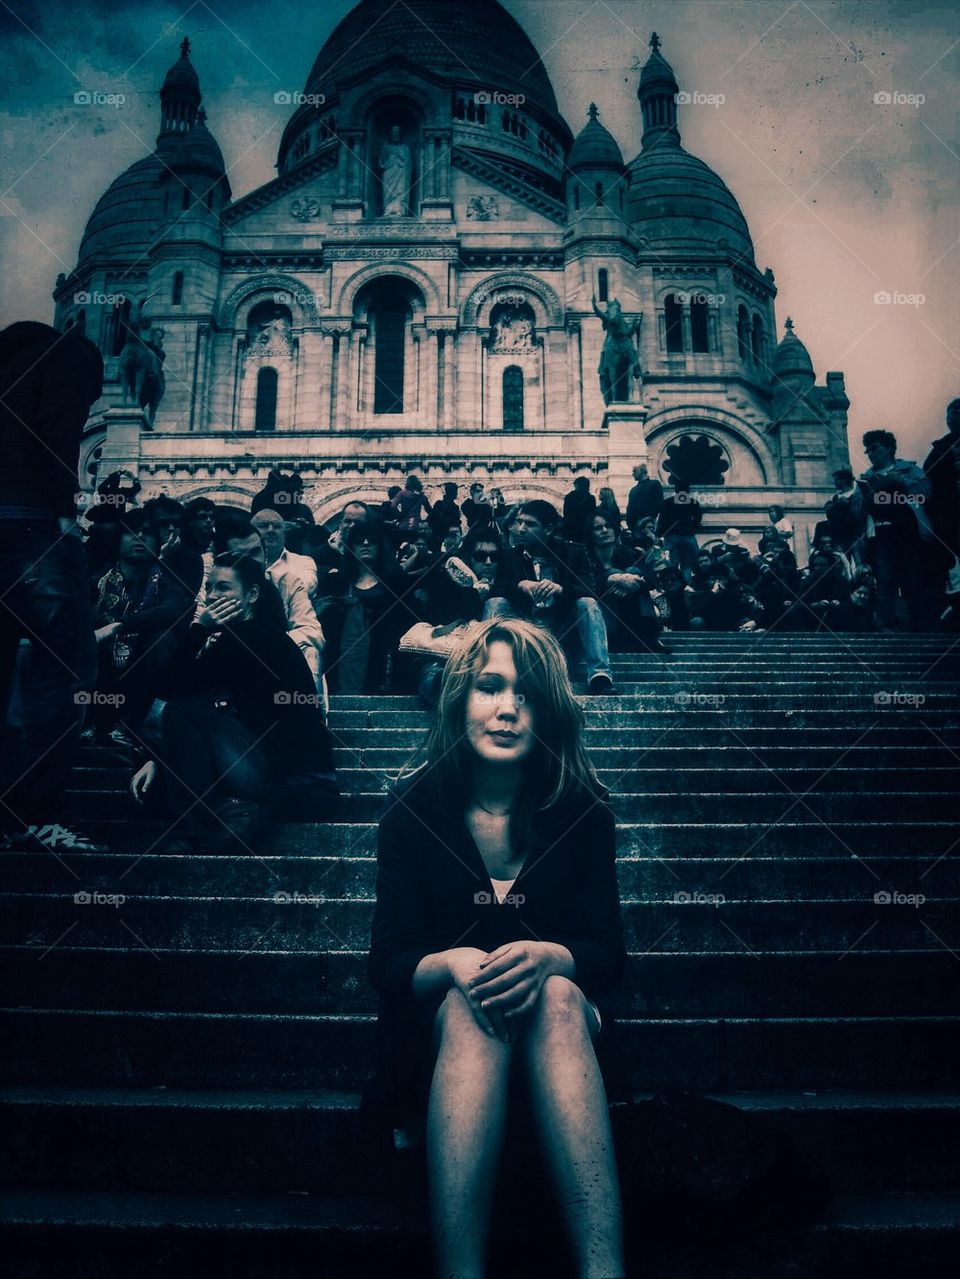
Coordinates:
x,y
224,584
603,534
366,548
500,722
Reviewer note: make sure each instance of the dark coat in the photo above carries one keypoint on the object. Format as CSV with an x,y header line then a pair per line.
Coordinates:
x,y
645,499
571,570
429,875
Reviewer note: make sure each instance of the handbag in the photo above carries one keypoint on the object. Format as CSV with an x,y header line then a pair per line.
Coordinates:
x,y
439,642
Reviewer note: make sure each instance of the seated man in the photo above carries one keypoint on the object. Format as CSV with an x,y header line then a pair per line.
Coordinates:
x,y
551,584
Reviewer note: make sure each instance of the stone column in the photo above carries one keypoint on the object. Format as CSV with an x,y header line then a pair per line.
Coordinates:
x,y
626,446
342,416
121,447
575,373
469,393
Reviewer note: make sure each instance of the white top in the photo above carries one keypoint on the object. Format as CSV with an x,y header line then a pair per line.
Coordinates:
x,y
501,888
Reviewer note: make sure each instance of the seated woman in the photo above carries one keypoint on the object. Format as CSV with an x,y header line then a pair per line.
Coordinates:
x,y
497,927
363,624
242,727
622,591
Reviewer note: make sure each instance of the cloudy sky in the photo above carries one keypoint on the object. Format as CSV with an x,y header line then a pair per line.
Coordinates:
x,y
846,197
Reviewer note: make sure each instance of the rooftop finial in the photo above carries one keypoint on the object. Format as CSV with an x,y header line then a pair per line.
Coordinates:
x,y
185,47
788,324
655,42
592,111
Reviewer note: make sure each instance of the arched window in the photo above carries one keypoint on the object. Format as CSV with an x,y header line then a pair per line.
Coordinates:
x,y
177,296
756,344
699,334
390,325
603,284
513,398
743,332
673,321
696,459
265,417
598,190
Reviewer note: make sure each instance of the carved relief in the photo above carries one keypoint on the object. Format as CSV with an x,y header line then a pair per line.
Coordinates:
x,y
305,210
483,208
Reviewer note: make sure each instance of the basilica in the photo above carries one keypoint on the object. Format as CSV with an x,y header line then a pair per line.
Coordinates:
x,y
444,278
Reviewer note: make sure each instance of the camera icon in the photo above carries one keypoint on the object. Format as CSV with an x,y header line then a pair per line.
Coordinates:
x,y
281,298
482,98
881,699
282,898
482,898
282,699
682,699
682,899
882,98
683,99
82,98
882,898
282,98
82,898
82,299
82,699
883,298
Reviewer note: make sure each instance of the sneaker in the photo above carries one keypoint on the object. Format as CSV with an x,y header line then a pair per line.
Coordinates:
x,y
51,838
460,573
600,684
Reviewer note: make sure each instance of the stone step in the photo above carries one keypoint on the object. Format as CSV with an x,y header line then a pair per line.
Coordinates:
x,y
239,1237
664,713
789,836
771,804
865,981
692,923
905,760
319,1142
647,775
79,1048
353,875
676,734
855,695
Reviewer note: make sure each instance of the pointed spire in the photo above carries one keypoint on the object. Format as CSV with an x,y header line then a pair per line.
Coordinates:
x,y
657,92
179,95
185,47
592,111
788,324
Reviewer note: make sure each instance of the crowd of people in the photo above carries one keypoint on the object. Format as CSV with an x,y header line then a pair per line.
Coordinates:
x,y
204,641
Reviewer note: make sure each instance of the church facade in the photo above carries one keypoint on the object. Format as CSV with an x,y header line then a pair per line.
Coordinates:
x,y
432,283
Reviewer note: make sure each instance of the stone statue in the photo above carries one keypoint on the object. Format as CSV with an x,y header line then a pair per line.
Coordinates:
x,y
395,175
141,364
619,358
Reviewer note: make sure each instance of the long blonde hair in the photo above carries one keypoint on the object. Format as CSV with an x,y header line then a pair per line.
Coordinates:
x,y
557,768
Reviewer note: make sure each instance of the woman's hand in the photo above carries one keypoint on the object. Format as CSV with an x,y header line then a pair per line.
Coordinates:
x,y
463,964
215,616
142,780
510,978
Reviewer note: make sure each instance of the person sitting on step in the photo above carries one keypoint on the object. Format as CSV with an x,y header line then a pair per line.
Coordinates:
x,y
496,936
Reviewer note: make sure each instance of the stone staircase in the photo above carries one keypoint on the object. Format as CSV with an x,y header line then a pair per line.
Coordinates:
x,y
180,1093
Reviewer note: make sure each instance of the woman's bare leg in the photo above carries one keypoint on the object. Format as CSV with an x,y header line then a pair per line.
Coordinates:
x,y
465,1128
570,1110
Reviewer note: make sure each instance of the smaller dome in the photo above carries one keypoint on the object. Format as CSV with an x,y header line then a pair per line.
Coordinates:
x,y
657,70
595,146
182,74
195,149
791,358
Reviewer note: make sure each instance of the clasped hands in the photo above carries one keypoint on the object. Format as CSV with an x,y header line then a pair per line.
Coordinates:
x,y
502,986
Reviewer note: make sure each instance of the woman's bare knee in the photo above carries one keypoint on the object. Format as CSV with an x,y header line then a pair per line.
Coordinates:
x,y
561,1007
455,1024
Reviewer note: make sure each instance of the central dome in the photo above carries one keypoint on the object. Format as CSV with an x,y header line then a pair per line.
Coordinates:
x,y
476,42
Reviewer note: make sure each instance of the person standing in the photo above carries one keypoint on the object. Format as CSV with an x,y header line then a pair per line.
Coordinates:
x,y
680,517
942,468
476,509
645,498
578,508
48,383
